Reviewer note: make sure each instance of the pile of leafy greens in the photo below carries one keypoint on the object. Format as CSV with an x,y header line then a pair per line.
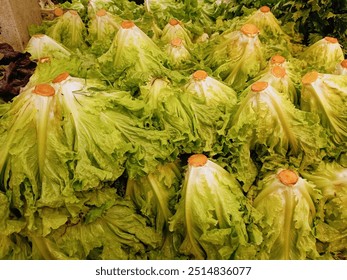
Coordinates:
x,y
16,69
176,129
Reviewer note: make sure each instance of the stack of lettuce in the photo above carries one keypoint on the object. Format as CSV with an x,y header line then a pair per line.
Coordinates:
x,y
174,130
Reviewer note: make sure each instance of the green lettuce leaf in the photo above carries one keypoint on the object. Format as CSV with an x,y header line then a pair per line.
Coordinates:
x,y
77,5
155,194
115,231
100,150
34,156
14,247
9,223
161,11
82,65
168,109
148,147
122,8
145,145
331,179
271,32
4,107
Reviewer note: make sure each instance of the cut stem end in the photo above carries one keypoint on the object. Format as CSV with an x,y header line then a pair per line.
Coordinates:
x,y
197,160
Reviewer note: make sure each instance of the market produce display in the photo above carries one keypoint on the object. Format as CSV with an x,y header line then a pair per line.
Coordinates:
x,y
174,129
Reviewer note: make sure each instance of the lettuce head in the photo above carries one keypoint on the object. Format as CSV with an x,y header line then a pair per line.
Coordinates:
x,y
101,154
168,109
213,103
323,55
331,229
175,29
210,212
325,95
287,203
155,194
239,57
41,46
266,123
179,55
132,54
35,160
109,228
341,68
68,29
279,79
101,31
270,29
330,179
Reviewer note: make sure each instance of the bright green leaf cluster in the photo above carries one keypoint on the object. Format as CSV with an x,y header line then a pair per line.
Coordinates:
x,y
177,130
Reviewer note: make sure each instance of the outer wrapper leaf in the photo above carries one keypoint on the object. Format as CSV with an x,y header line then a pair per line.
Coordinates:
x,y
9,224
96,5
123,8
80,65
157,14
14,247
4,107
77,5
210,213
202,14
147,147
